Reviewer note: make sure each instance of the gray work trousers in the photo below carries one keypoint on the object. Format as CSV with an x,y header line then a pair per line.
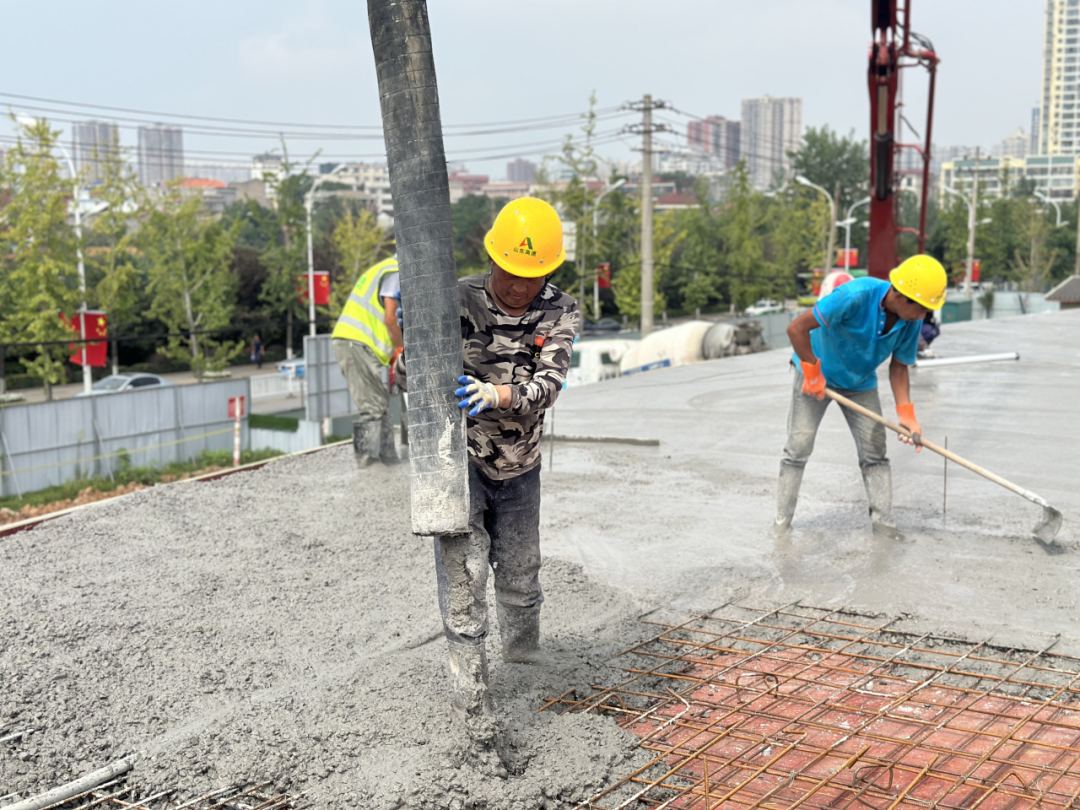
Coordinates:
x,y
363,374
804,418
504,523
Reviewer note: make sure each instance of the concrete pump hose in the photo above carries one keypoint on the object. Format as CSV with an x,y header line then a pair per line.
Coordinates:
x,y
80,785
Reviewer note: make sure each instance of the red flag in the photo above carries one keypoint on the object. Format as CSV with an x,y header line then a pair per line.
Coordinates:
x,y
603,275
97,331
322,287
852,257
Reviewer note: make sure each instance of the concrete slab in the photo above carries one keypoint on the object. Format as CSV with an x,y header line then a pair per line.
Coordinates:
x,y
687,524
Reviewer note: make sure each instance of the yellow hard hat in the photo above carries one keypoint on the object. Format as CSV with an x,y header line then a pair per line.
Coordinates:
x,y
922,279
526,238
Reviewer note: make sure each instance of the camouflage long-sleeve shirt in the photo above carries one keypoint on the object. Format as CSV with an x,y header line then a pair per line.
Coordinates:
x,y
502,349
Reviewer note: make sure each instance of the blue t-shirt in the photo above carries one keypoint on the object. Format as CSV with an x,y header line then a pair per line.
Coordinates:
x,y
849,339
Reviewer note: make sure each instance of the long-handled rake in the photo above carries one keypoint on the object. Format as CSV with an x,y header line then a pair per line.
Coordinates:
x,y
1043,533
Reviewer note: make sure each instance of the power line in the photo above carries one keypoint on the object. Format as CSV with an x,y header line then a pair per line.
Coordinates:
x,y
569,117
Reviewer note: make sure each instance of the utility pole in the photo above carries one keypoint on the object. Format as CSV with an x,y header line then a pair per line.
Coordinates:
x,y
834,215
1077,235
647,105
973,212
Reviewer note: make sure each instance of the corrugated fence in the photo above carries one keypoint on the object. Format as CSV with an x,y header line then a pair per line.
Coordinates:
x,y
47,443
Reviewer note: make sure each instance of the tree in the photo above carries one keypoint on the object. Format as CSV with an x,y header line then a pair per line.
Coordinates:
x,y
112,272
286,258
825,157
38,266
793,244
361,243
193,290
472,218
749,275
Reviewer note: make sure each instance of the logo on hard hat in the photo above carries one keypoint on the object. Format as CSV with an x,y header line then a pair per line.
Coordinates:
x,y
525,247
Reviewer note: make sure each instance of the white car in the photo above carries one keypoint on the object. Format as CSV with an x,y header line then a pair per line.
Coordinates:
x,y
119,383
764,307
294,367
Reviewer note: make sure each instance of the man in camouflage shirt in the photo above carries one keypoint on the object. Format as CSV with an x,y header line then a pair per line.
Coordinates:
x,y
518,333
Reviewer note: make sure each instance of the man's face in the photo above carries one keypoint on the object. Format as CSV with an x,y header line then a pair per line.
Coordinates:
x,y
905,308
514,291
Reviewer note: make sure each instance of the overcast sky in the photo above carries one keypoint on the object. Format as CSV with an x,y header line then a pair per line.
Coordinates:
x,y
310,61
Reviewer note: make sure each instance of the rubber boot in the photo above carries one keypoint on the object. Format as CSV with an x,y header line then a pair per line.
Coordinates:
x,y
520,631
367,441
388,454
469,680
877,478
787,496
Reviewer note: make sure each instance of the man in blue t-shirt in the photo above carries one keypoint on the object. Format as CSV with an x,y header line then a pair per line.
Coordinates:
x,y
840,343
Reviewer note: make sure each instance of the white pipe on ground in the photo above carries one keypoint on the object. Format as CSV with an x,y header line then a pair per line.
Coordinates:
x,y
81,785
973,358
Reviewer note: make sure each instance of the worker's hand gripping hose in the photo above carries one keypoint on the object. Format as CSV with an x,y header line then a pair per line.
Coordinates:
x,y
480,395
906,414
813,380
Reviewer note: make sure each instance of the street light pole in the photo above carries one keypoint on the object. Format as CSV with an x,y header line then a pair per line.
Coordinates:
x,y
832,217
1057,208
595,226
309,205
847,236
971,237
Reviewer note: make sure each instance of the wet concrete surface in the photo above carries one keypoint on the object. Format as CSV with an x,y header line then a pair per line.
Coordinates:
x,y
688,524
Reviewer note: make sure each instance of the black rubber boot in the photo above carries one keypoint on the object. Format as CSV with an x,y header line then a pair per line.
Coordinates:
x,y
387,451
520,631
367,441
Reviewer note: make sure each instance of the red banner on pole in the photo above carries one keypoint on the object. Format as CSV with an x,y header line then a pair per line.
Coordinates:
x,y
322,287
847,258
236,407
97,330
603,275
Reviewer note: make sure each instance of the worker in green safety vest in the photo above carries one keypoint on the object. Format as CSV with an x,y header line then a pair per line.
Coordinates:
x,y
367,339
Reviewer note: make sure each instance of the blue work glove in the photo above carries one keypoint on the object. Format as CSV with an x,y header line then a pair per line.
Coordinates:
x,y
397,297
480,395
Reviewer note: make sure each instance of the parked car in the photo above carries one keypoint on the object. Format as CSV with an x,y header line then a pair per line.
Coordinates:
x,y
119,383
764,307
294,367
602,325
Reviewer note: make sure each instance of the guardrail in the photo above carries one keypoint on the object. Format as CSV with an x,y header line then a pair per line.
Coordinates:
x,y
276,386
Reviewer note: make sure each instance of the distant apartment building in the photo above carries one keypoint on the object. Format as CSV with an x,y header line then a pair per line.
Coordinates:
x,y
520,170
160,154
91,142
1017,145
1059,127
462,185
716,136
372,181
771,128
1056,176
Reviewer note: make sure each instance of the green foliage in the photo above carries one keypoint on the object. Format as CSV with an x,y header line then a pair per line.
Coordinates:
x,y
472,217
38,252
360,243
825,158
188,259
271,422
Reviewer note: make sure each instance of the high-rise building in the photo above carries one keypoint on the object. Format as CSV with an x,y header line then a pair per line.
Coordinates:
x,y
771,128
91,142
1059,127
161,154
1016,145
1033,147
520,170
716,136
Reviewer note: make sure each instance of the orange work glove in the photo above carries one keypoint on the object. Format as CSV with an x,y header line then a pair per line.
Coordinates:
x,y
813,384
908,420
393,367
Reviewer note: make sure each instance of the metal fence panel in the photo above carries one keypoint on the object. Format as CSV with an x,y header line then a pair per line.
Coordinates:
x,y
306,437
47,443
326,392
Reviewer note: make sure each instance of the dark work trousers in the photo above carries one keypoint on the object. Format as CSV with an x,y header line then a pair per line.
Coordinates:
x,y
504,523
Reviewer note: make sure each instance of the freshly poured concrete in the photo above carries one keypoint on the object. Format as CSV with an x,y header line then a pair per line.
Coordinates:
x,y
688,524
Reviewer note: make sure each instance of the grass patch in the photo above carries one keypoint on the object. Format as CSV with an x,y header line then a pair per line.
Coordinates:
x,y
268,421
139,475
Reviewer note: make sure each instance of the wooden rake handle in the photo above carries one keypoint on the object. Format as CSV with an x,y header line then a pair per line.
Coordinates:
x,y
941,451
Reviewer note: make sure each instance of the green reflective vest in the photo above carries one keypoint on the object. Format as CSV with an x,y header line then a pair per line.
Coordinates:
x,y
362,319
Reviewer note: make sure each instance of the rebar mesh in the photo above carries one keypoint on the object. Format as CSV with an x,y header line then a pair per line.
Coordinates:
x,y
813,708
